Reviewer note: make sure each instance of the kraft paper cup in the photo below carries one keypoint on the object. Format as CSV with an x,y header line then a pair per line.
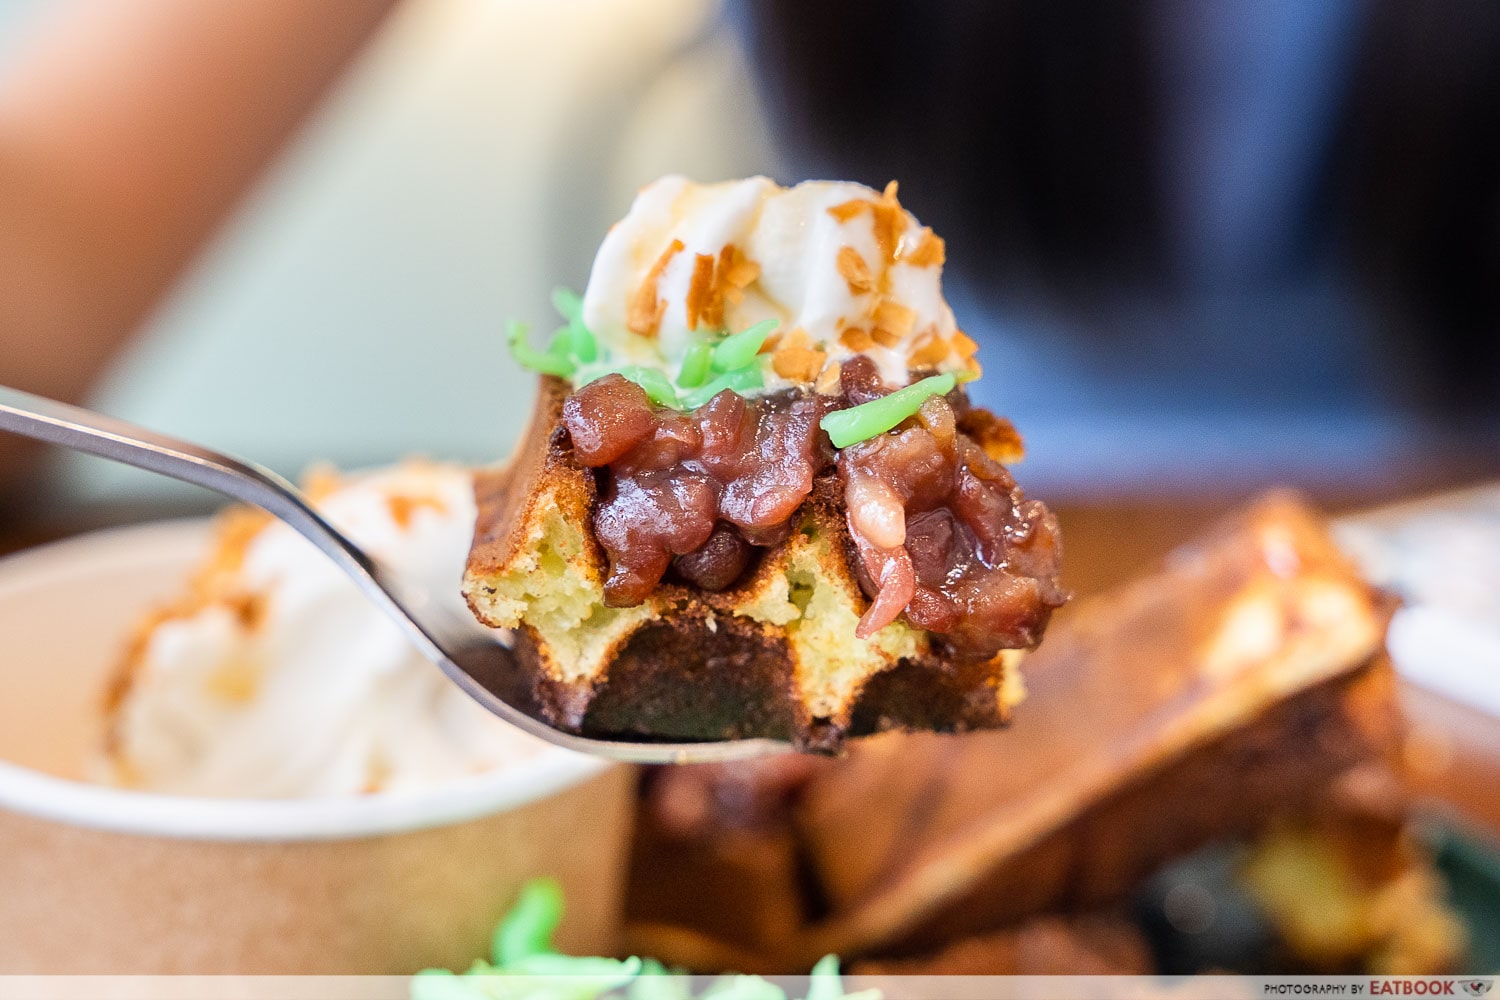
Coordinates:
x,y
102,880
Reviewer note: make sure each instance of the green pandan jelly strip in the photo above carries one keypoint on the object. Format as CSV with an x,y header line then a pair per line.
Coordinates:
x,y
859,423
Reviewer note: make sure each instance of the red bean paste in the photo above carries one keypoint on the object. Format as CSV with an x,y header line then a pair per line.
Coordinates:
x,y
943,536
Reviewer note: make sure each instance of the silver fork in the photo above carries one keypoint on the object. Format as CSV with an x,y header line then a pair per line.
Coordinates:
x,y
471,657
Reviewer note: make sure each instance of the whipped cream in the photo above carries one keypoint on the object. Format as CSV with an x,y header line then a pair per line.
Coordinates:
x,y
274,677
842,268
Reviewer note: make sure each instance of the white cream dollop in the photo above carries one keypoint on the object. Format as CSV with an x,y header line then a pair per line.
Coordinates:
x,y
793,239
314,691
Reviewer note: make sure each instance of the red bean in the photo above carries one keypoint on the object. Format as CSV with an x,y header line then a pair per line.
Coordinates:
x,y
607,418
695,490
943,534
984,560
718,563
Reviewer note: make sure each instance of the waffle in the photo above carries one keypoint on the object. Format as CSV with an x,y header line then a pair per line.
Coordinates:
x,y
1241,682
773,656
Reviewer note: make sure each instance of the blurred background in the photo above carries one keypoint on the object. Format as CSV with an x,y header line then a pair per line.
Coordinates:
x,y
1205,246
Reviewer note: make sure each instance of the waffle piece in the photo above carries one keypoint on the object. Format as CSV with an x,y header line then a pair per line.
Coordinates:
x,y
1184,708
1238,683
717,866
774,655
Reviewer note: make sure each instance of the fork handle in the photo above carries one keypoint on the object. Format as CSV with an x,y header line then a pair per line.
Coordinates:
x,y
93,433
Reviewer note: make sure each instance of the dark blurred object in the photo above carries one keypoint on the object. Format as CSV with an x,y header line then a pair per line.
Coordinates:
x,y
997,118
1303,199
1416,176
1198,918
1471,862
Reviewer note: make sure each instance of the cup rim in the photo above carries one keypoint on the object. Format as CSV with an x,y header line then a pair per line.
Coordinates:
x,y
101,807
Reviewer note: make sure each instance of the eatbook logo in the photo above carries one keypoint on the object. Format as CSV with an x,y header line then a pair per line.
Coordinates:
x,y
1477,987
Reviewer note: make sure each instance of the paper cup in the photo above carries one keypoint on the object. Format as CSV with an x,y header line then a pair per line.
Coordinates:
x,y
102,880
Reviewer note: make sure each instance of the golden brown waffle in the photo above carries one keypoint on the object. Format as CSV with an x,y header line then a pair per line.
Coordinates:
x,y
1238,683
774,656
